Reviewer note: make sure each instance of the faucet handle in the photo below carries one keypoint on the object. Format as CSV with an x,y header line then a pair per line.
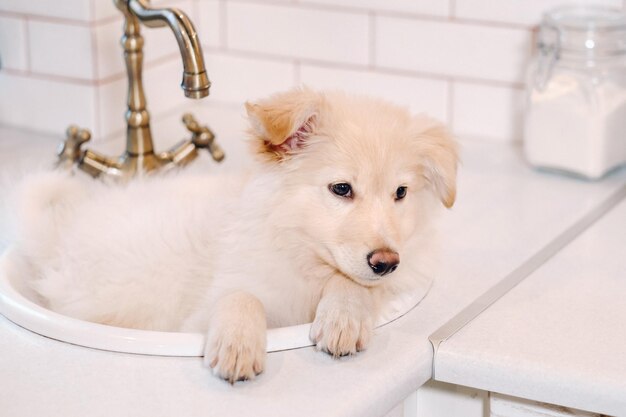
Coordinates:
x,y
203,137
69,151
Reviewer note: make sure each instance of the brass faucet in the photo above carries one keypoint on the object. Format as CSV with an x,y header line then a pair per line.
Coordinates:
x,y
139,157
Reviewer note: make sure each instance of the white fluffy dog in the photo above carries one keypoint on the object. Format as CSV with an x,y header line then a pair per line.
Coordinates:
x,y
332,223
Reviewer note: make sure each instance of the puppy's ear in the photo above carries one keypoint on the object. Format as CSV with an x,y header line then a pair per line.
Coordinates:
x,y
439,159
282,123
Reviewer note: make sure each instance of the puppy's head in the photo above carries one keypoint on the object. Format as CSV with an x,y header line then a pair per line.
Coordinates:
x,y
360,175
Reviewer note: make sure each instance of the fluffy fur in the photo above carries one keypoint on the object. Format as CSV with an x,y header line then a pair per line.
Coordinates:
x,y
275,247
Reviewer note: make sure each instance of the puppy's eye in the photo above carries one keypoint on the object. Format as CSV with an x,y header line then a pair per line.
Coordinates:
x,y
401,192
342,189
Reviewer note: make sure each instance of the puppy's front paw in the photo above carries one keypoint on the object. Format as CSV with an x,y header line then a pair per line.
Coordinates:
x,y
234,355
235,346
341,332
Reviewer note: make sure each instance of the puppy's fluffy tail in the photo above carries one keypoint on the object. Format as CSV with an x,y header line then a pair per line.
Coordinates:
x,y
37,210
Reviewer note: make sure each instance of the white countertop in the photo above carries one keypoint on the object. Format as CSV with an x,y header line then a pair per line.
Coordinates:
x,y
504,213
560,335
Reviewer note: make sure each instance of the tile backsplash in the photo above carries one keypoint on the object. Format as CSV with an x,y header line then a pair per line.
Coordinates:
x,y
461,61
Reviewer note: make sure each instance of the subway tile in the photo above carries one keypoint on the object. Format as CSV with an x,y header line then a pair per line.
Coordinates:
x,y
45,105
13,47
104,9
158,43
452,49
162,86
168,129
298,32
67,9
265,1
109,51
112,107
418,94
521,12
485,111
207,22
229,125
61,49
426,7
238,79
167,3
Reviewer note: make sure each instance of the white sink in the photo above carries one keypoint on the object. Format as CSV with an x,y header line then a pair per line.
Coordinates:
x,y
19,304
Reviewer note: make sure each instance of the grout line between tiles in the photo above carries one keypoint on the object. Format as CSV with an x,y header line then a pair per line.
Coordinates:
x,y
510,281
450,17
363,67
406,14
92,10
165,59
372,39
27,46
195,12
452,10
95,72
223,22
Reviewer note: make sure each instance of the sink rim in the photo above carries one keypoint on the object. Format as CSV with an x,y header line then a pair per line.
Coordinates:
x,y
31,316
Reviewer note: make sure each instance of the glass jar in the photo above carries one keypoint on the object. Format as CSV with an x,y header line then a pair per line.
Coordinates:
x,y
575,118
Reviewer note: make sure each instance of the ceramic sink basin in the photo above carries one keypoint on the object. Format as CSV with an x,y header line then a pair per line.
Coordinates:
x,y
19,304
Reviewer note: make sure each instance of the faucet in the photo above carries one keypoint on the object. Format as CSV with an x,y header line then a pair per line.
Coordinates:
x,y
139,157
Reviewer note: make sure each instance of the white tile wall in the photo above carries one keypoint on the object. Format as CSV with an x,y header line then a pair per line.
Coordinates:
x,y
103,10
236,79
426,7
208,24
452,49
298,32
419,94
108,49
162,86
61,49
63,9
487,111
45,105
111,107
522,12
13,43
462,61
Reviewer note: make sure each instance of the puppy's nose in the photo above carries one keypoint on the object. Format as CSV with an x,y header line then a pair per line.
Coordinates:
x,y
383,261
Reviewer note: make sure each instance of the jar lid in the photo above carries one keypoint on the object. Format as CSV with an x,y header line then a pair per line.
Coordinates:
x,y
586,18
584,30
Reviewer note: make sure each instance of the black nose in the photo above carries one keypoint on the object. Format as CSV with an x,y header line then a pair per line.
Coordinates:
x,y
383,261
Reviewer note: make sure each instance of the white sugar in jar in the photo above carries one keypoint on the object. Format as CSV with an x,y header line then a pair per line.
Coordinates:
x,y
575,118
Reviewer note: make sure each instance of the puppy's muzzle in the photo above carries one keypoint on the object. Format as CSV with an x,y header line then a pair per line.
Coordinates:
x,y
383,261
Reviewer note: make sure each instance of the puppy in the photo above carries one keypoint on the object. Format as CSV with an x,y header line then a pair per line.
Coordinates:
x,y
330,225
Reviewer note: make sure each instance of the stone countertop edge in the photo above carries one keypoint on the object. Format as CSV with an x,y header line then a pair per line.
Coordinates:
x,y
483,353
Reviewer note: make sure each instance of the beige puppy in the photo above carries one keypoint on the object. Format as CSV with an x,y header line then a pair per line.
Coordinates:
x,y
332,223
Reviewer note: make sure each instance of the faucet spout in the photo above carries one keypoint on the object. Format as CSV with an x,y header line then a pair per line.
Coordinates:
x,y
139,157
195,82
